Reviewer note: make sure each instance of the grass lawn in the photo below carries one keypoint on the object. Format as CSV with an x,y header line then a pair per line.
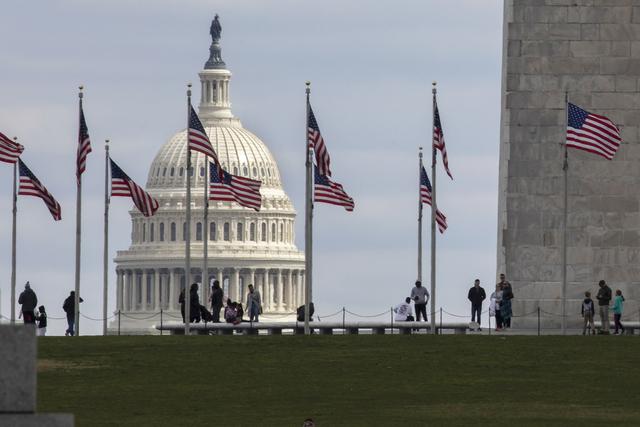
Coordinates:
x,y
341,380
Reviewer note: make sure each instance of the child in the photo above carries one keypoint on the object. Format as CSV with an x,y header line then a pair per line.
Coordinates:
x,y
41,320
618,302
588,311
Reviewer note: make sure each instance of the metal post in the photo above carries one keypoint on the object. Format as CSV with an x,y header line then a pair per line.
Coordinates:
x,y
440,320
161,331
187,272
308,250
419,214
343,318
433,215
538,320
105,258
78,236
205,235
565,168
119,322
489,322
391,313
13,242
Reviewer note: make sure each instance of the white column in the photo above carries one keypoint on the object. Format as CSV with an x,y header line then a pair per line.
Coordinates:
x,y
156,289
279,293
236,285
127,290
219,277
290,305
172,289
301,287
260,287
144,306
134,291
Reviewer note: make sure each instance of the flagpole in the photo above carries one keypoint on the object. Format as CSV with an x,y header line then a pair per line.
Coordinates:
x,y
308,222
105,260
13,241
187,272
433,216
78,233
419,215
565,168
205,230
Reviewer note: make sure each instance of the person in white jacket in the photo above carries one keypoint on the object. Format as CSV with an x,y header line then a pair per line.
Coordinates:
x,y
403,311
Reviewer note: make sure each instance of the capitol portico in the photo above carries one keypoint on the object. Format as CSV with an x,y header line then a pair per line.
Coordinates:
x,y
244,246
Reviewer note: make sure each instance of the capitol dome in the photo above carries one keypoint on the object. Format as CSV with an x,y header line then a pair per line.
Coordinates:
x,y
243,246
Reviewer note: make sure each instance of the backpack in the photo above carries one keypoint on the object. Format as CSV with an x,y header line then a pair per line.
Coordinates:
x,y
587,307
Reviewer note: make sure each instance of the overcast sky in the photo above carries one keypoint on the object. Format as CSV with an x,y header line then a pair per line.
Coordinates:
x,y
371,65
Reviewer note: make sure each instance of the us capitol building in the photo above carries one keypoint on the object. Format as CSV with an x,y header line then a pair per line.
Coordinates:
x,y
245,247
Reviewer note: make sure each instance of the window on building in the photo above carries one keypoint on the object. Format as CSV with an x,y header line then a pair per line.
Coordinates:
x,y
273,232
263,232
173,231
152,232
240,231
212,231
226,232
164,172
245,171
202,171
173,171
252,232
144,231
184,231
199,231
181,171
281,232
161,231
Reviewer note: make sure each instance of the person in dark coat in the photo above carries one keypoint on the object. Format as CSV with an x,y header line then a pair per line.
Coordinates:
x,y
216,301
194,304
69,308
29,301
476,295
181,302
300,312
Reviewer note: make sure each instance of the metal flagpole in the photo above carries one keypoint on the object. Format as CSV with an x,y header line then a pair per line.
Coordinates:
x,y
205,230
433,216
13,241
308,221
565,168
420,215
187,268
78,234
105,260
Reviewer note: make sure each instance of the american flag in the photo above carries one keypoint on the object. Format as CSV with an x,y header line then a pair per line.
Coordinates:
x,y
438,140
31,186
9,150
327,191
592,132
317,143
425,197
123,186
232,188
197,137
84,146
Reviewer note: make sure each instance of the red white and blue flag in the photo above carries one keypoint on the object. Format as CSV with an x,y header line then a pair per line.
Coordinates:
x,y
9,150
31,186
232,188
84,146
327,191
592,132
123,186
317,143
197,137
438,139
426,198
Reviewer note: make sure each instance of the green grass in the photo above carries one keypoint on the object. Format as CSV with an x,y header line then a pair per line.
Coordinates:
x,y
341,380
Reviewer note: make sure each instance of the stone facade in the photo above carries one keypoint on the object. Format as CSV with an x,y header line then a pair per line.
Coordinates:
x,y
590,49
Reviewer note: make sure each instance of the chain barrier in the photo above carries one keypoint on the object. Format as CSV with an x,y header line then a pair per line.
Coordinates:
x,y
384,313
99,319
331,315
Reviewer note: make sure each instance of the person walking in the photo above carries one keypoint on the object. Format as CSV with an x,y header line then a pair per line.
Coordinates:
x,y
476,295
29,301
618,303
588,311
216,301
604,297
254,304
420,297
494,306
41,319
69,307
403,311
194,304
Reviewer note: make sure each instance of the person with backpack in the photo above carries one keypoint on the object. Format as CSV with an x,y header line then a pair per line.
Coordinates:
x,y
29,301
618,303
41,320
69,307
604,297
588,311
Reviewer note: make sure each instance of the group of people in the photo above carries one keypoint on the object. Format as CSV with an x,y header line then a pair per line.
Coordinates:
x,y
420,297
499,303
604,297
28,301
233,310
